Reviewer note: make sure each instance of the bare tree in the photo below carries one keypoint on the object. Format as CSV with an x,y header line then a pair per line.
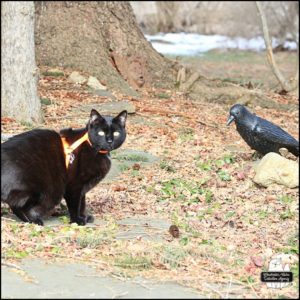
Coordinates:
x,y
285,14
282,81
19,97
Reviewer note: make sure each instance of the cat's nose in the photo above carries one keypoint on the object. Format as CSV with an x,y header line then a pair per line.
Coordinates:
x,y
109,141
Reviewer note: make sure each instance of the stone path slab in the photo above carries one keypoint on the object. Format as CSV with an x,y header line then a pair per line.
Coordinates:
x,y
42,280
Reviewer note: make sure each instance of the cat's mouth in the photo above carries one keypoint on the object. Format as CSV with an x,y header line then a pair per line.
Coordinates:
x,y
103,151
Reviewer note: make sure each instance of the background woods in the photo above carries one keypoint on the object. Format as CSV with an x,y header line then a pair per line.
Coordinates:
x,y
230,18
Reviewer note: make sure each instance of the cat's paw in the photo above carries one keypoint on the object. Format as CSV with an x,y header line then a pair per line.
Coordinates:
x,y
38,221
79,220
90,219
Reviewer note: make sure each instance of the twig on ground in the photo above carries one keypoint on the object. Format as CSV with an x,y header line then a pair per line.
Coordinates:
x,y
10,265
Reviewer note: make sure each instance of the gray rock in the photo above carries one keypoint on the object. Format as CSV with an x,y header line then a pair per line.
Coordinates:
x,y
274,168
77,78
67,280
104,93
125,159
94,83
117,107
109,108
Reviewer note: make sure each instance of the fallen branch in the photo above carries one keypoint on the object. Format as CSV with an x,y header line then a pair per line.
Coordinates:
x,y
187,85
177,113
10,265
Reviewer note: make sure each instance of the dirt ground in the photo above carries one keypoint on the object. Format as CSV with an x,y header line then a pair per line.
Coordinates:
x,y
202,183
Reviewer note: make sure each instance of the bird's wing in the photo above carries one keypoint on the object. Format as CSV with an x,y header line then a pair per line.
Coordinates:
x,y
273,133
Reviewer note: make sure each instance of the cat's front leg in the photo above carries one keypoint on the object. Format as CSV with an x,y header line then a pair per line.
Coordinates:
x,y
88,218
73,200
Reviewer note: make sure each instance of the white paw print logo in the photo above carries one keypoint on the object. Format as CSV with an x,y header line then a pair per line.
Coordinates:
x,y
279,263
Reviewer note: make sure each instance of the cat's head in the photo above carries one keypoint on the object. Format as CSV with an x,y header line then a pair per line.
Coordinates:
x,y
106,132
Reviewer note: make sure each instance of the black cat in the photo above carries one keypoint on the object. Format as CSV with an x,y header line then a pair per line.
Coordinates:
x,y
40,167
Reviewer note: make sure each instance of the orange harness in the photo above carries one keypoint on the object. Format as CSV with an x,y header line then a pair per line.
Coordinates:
x,y
68,149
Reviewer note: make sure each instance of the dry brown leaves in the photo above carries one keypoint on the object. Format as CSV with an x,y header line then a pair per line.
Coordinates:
x,y
227,224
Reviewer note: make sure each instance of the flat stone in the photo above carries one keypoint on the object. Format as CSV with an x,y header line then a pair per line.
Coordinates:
x,y
109,108
104,93
117,107
41,279
94,83
77,78
125,159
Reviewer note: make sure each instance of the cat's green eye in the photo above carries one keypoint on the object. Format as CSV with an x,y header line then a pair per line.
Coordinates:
x,y
116,133
101,133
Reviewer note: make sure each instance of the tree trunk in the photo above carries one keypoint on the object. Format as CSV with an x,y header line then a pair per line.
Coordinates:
x,y
282,81
103,39
18,67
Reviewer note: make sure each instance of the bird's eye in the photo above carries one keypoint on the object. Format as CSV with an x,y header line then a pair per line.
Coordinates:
x,y
116,133
101,133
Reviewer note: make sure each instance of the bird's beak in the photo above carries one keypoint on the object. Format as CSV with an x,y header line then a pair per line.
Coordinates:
x,y
230,120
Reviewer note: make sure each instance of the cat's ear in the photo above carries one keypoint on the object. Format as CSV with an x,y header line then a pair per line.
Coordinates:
x,y
95,117
121,118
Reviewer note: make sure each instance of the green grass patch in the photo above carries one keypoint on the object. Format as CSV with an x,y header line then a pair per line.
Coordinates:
x,y
186,134
263,213
64,219
224,176
123,167
292,245
173,256
163,96
92,240
128,261
215,164
131,157
178,189
45,101
287,214
228,159
295,270
286,199
184,240
11,253
164,165
28,125
53,73
229,214
204,166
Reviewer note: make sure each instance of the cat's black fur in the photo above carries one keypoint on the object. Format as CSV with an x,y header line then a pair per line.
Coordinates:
x,y
34,176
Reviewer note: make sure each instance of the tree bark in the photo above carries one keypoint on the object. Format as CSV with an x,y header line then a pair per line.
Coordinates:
x,y
282,81
103,39
19,75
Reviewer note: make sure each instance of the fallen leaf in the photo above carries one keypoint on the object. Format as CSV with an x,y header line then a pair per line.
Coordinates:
x,y
257,260
174,231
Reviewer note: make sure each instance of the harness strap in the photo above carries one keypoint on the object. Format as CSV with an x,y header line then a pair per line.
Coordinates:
x,y
68,149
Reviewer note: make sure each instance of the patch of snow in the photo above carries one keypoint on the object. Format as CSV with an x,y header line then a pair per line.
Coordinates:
x,y
191,44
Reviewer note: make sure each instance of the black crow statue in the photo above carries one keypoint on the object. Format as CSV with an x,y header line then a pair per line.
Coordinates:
x,y
260,134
